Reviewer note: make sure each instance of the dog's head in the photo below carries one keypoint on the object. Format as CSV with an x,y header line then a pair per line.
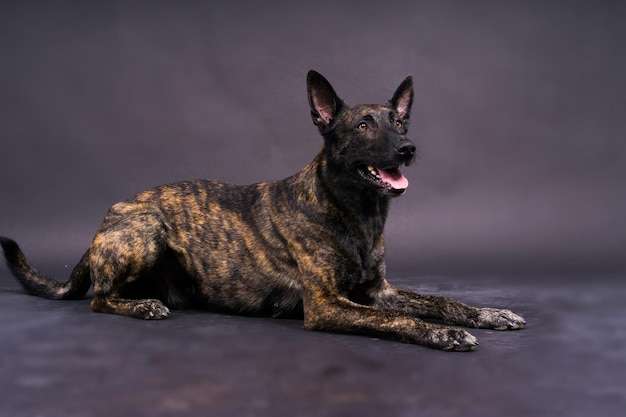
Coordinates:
x,y
366,144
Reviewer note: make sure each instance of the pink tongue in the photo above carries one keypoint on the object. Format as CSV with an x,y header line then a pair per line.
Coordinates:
x,y
394,178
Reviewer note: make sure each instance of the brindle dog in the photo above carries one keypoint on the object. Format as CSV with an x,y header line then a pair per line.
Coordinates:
x,y
310,245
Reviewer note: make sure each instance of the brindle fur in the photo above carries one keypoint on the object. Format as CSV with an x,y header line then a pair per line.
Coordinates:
x,y
308,246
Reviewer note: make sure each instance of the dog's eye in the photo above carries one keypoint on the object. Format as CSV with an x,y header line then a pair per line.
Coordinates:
x,y
362,126
399,124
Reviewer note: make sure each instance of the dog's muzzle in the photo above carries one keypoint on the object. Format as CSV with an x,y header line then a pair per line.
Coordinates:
x,y
406,152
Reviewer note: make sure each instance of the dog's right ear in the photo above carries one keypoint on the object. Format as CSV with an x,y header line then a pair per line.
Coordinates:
x,y
402,99
324,102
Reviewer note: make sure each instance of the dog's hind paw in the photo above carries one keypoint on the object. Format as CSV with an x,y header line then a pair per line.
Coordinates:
x,y
493,318
150,310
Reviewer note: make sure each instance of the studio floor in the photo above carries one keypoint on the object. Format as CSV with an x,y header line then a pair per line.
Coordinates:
x,y
60,359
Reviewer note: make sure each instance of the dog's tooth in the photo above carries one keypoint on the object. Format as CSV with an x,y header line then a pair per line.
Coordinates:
x,y
373,172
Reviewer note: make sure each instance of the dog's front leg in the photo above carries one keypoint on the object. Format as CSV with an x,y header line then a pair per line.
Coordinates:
x,y
338,314
446,309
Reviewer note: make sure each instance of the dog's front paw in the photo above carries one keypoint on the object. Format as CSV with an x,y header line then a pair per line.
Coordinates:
x,y
452,339
493,318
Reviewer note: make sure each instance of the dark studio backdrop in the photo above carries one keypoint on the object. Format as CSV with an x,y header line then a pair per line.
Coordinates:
x,y
519,115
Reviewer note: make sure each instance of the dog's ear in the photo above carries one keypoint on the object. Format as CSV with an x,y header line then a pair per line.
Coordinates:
x,y
324,102
402,99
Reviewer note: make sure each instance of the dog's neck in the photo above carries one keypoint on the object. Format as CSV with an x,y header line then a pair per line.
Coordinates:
x,y
365,209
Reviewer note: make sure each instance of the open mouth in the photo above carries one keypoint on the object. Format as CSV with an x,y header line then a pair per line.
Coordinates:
x,y
389,180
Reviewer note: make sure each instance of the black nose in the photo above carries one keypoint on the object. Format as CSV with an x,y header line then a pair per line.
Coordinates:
x,y
406,150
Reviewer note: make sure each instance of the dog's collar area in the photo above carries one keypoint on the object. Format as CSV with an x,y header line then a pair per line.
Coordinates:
x,y
390,180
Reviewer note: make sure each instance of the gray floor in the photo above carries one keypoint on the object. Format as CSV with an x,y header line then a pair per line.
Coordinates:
x,y
59,359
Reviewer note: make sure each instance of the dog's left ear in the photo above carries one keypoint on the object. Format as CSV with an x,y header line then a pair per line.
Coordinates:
x,y
324,102
402,99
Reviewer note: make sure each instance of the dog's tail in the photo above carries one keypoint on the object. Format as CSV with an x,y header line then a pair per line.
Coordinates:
x,y
36,283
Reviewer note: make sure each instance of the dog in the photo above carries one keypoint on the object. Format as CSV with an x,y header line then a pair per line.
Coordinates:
x,y
308,246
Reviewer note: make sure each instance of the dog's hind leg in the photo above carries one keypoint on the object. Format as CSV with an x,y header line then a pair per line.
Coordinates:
x,y
147,309
126,246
